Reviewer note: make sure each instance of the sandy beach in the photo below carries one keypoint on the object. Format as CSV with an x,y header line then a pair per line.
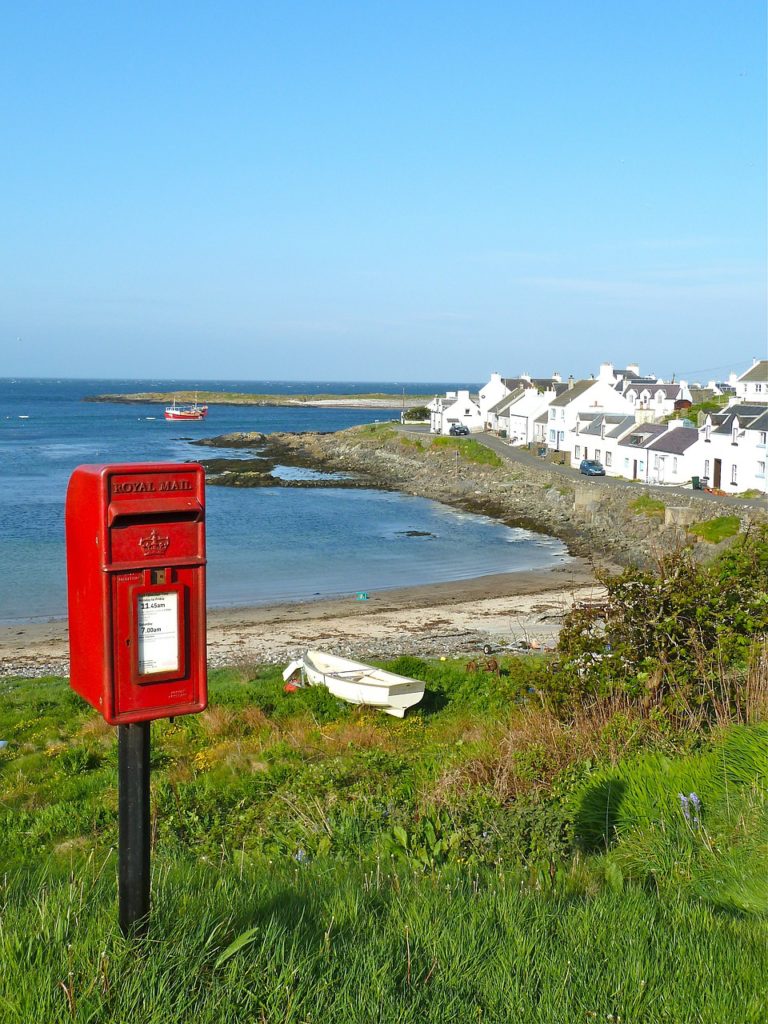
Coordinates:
x,y
453,618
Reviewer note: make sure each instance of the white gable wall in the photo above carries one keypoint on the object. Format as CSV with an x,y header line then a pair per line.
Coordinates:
x,y
518,420
753,391
461,410
492,393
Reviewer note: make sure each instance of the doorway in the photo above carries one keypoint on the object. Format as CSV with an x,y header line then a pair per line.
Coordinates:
x,y
718,474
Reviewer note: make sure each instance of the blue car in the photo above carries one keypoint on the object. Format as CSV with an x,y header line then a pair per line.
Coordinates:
x,y
591,467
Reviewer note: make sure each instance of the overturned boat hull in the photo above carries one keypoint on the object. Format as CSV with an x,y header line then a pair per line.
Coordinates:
x,y
357,683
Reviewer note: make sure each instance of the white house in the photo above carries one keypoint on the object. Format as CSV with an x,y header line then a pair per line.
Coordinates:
x,y
596,436
631,459
496,416
658,398
492,393
596,396
520,415
456,407
732,453
673,457
752,386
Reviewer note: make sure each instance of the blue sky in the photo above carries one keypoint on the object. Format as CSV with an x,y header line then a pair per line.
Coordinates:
x,y
373,190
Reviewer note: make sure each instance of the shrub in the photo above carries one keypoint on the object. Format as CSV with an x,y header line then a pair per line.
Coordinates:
x,y
669,636
419,413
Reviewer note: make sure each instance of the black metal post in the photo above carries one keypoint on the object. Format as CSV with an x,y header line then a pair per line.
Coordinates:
x,y
133,844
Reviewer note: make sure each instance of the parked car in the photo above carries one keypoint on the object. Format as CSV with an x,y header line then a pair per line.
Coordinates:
x,y
458,430
591,467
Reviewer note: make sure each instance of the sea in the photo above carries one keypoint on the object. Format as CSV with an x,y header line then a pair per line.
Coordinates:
x,y
265,545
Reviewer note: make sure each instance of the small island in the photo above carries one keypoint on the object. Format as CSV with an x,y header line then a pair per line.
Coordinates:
x,y
330,401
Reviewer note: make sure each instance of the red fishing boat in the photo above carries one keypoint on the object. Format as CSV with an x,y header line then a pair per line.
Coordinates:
x,y
191,411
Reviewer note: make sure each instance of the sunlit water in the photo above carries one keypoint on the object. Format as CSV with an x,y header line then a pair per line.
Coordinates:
x,y
264,544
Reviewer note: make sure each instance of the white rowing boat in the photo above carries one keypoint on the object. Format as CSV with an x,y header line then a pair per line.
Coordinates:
x,y
357,683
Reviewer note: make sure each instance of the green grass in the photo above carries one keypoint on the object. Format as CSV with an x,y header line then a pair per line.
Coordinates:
x,y
383,431
716,530
647,506
234,941
470,450
313,861
412,442
716,850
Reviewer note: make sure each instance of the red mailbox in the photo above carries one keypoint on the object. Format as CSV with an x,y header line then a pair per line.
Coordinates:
x,y
136,586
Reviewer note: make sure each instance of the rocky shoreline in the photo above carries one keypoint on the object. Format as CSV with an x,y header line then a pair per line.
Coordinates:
x,y
602,523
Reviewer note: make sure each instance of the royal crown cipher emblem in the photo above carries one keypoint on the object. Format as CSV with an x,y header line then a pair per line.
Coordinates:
x,y
154,544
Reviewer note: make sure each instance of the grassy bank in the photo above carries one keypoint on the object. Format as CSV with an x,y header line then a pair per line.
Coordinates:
x,y
472,862
561,839
270,943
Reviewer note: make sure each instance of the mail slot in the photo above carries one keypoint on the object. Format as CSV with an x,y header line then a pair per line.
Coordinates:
x,y
136,589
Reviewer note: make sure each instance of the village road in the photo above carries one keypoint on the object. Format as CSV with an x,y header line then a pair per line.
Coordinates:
x,y
523,457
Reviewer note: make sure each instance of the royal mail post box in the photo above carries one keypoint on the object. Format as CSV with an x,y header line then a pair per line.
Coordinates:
x,y
136,588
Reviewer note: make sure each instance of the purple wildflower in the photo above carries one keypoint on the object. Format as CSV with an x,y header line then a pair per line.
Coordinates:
x,y
691,807
684,806
696,805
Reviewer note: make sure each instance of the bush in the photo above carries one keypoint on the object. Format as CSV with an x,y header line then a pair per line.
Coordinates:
x,y
418,413
670,636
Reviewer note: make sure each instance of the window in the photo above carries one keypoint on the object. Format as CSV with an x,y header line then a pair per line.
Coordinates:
x,y
734,480
626,463
552,413
577,452
763,436
551,435
761,469
655,461
597,454
707,432
674,465
706,467
735,434
641,467
758,387
608,459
